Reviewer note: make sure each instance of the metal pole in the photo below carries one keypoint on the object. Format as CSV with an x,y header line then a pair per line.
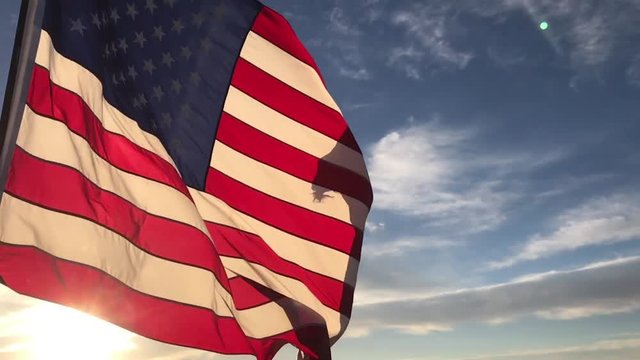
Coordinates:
x,y
22,60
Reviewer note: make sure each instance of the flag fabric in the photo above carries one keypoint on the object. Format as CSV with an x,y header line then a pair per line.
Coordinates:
x,y
182,171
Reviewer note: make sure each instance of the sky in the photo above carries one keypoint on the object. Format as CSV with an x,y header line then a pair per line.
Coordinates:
x,y
505,166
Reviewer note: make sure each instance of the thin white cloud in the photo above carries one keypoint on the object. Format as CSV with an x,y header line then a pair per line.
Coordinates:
x,y
428,44
601,288
505,58
372,227
600,221
569,184
406,244
407,59
622,349
633,72
339,23
423,170
344,42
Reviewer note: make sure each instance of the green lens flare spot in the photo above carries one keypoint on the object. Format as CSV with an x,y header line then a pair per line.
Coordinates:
x,y
544,25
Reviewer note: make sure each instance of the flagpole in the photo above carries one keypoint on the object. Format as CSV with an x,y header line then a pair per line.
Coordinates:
x,y
22,60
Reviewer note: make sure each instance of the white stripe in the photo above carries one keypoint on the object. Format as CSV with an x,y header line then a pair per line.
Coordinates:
x,y
81,241
288,287
311,256
288,188
51,140
261,117
286,68
75,78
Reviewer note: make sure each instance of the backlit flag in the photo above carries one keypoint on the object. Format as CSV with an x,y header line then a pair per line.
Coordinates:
x,y
181,171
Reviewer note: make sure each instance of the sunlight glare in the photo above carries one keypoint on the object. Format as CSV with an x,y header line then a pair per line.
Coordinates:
x,y
57,332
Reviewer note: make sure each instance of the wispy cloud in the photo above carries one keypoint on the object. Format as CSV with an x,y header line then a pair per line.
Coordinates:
x,y
588,34
600,221
428,34
633,71
372,227
429,171
345,40
601,288
614,349
504,57
406,244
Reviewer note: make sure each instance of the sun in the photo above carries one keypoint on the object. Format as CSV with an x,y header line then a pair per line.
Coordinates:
x,y
57,332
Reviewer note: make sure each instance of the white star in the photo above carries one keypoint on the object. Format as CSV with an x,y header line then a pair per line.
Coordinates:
x,y
176,144
157,93
131,11
177,26
142,99
114,15
186,110
115,80
140,39
123,78
122,44
76,25
186,53
167,59
176,86
149,67
206,44
195,78
158,33
95,20
170,2
151,6
219,11
154,124
114,48
136,103
133,74
198,19
107,51
166,120
105,18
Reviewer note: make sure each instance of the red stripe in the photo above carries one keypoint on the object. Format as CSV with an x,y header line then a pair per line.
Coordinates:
x,y
292,103
247,294
53,101
275,153
290,218
238,244
66,190
32,272
275,28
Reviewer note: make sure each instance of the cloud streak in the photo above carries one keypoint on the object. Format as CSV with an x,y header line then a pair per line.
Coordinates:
x,y
600,221
404,245
619,349
600,288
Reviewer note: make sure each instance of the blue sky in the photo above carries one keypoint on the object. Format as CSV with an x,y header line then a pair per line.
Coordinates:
x,y
504,161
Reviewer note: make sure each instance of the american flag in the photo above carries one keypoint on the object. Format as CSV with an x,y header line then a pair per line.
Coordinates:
x,y
181,171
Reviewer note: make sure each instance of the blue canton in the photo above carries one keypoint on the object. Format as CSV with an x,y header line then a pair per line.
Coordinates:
x,y
167,64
